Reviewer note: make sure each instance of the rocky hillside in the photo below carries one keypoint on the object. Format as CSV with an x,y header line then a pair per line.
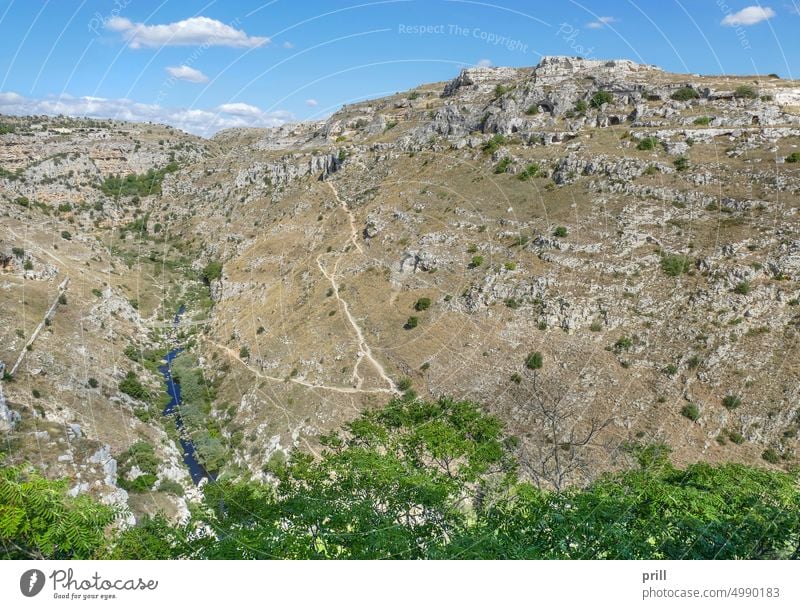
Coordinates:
x,y
602,253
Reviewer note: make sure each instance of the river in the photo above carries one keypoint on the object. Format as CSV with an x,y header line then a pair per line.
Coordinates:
x,y
196,469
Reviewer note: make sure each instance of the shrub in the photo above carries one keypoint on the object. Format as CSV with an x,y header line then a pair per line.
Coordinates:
x,y
27,265
681,163
580,107
647,143
171,487
793,158
18,252
600,98
560,231
623,344
92,382
36,393
743,288
534,360
494,143
212,271
411,323
510,266
531,171
691,411
476,262
97,292
62,299
244,352
675,264
596,326
770,456
732,401
670,369
422,304
133,387
142,455
736,437
404,384
532,110
511,303
702,120
141,484
66,235
685,94
503,165
137,184
501,90
516,378
745,92
693,362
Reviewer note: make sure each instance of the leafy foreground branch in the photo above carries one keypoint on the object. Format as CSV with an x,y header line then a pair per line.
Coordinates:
x,y
432,480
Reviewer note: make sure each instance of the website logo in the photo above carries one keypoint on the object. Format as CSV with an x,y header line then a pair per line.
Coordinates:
x,y
31,582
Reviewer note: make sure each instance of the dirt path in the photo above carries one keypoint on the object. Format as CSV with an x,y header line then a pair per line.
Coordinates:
x,y
35,246
353,230
364,350
62,288
235,356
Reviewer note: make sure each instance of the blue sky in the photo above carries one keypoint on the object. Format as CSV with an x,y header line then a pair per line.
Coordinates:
x,y
206,65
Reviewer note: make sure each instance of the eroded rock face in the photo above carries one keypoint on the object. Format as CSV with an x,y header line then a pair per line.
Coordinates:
x,y
8,417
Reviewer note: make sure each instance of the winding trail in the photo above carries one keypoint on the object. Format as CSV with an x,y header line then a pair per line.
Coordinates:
x,y
235,356
62,288
353,231
364,350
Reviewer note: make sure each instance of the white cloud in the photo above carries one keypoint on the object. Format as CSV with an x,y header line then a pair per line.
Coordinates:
x,y
195,31
485,63
203,122
312,102
240,109
601,22
749,16
187,73
288,45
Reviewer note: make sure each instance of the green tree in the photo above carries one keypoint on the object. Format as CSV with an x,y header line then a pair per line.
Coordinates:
x,y
392,484
39,520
